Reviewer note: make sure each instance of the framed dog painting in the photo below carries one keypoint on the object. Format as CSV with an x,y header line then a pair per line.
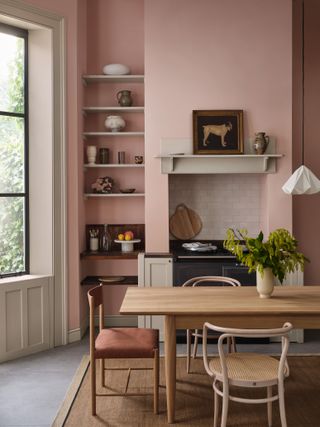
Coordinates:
x,y
218,131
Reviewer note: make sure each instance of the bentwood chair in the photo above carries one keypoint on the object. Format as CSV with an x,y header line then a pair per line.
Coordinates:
x,y
247,370
116,343
206,281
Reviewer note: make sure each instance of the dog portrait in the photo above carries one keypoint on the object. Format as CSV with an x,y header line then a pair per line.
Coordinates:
x,y
217,131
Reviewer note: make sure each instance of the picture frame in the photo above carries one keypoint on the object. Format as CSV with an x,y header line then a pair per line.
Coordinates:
x,y
217,131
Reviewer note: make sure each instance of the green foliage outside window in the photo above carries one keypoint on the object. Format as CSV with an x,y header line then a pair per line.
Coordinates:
x,y
12,230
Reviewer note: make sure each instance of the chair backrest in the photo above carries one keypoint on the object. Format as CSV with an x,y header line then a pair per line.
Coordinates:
x,y
95,298
227,333
213,280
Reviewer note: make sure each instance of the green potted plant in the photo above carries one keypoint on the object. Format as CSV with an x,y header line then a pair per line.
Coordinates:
x,y
272,258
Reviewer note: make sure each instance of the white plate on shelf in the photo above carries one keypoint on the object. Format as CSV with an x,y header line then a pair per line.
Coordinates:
x,y
199,247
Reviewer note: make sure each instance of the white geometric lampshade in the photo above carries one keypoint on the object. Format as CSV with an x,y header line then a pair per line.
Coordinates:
x,y
302,181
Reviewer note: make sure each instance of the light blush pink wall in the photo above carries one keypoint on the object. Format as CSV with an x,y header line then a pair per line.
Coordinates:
x,y
115,34
306,208
213,54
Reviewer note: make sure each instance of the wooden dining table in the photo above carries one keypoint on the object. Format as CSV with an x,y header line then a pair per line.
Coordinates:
x,y
240,307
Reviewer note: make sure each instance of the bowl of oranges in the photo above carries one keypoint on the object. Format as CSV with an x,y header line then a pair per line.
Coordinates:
x,y
127,241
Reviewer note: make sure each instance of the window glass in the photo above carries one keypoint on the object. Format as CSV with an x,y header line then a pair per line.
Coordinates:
x,y
12,235
11,154
11,73
14,245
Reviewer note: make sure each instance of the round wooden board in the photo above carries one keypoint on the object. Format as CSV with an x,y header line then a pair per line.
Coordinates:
x,y
185,223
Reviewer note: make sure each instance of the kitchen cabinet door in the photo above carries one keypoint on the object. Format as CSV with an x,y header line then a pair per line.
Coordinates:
x,y
154,271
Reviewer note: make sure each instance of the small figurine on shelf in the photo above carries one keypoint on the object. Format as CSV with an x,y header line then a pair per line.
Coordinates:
x,y
103,184
106,239
94,239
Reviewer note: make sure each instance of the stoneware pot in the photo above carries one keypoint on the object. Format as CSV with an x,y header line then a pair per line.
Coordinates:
x,y
115,123
124,98
261,142
91,154
116,69
265,283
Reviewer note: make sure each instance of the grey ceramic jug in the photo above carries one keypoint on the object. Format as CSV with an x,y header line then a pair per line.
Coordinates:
x,y
124,98
261,142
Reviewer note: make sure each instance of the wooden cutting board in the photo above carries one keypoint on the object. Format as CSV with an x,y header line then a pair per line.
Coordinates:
x,y
185,223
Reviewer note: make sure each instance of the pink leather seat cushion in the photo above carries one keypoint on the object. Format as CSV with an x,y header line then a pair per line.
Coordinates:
x,y
126,343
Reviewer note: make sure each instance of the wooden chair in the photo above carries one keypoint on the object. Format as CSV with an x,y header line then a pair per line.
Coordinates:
x,y
115,343
212,281
247,370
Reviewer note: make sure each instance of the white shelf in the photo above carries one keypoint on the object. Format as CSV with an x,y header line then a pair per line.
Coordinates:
x,y
93,134
222,163
110,109
114,165
114,195
103,78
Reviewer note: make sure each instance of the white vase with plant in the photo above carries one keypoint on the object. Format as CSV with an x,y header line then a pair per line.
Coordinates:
x,y
275,257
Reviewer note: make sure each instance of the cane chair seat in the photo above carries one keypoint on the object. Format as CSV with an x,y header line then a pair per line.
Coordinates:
x,y
117,343
247,367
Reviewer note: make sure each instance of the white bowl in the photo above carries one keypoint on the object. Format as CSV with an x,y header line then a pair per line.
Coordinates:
x,y
116,69
115,123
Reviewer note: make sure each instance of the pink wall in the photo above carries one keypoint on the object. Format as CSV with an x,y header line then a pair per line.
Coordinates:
x,y
115,35
194,59
306,208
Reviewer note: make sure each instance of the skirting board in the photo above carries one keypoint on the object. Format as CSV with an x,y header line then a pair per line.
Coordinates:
x,y
112,321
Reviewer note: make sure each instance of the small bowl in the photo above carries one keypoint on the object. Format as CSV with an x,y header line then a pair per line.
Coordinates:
x,y
127,190
116,69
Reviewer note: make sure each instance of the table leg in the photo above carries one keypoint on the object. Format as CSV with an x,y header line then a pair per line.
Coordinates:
x,y
170,364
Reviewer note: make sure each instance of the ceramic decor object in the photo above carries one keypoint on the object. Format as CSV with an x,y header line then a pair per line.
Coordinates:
x,y
115,123
261,142
116,69
91,154
124,98
265,283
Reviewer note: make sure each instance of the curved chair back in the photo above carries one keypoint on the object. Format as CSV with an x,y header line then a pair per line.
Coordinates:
x,y
215,280
228,333
95,297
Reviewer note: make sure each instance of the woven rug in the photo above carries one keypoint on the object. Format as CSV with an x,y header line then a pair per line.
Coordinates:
x,y
194,402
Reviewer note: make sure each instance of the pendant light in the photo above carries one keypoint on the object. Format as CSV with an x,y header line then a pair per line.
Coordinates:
x,y
302,181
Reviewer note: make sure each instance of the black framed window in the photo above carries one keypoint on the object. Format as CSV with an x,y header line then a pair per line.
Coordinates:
x,y
14,194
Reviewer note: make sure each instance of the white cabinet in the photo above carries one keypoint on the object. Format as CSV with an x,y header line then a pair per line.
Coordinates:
x,y
154,271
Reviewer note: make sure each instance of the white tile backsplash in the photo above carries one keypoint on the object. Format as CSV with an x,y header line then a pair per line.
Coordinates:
x,y
221,201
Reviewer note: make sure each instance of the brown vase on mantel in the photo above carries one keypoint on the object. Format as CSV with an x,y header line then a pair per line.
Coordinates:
x,y
261,142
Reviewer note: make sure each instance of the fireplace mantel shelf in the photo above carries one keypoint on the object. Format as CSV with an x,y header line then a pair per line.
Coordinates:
x,y
222,163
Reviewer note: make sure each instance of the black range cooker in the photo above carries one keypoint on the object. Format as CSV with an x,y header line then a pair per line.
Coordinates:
x,y
216,262
210,259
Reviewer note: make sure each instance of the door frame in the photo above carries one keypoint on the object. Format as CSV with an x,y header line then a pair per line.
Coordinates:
x,y
28,14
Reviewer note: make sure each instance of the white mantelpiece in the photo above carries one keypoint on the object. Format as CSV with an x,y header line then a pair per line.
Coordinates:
x,y
177,158
228,163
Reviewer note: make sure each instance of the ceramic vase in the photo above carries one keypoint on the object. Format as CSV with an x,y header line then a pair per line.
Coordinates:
x,y
124,98
94,244
91,154
265,283
261,142
115,123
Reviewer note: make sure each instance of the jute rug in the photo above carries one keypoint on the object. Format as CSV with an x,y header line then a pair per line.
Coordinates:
x,y
194,403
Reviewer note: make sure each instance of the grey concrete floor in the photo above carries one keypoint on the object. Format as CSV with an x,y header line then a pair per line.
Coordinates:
x,y
32,388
